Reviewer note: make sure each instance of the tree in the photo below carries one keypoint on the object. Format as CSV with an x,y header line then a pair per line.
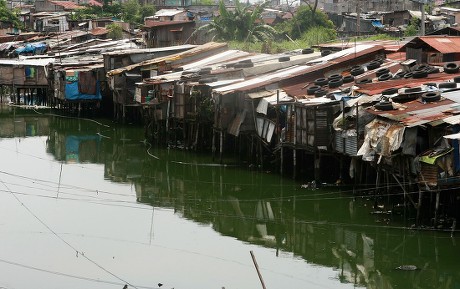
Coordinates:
x,y
131,11
303,20
243,23
8,15
148,10
115,31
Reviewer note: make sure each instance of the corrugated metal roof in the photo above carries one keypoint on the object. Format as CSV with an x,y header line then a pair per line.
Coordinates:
x,y
417,113
67,5
150,50
443,43
291,75
168,12
31,62
194,51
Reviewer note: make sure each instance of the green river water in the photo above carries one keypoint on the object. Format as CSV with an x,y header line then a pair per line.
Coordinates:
x,y
89,204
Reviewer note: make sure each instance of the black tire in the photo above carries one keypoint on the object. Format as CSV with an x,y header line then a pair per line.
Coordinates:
x,y
357,71
325,52
451,67
390,91
420,74
421,67
335,82
402,98
431,84
363,81
348,79
382,71
399,74
447,85
373,65
384,105
431,96
335,76
311,90
321,81
433,70
385,77
412,90
284,58
457,79
320,92
408,75
307,51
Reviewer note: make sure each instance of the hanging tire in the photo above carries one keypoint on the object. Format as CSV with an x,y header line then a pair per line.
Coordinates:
x,y
431,96
433,70
335,82
382,71
447,85
451,67
390,91
357,71
320,92
384,105
311,90
457,79
385,77
348,79
321,81
307,51
399,74
421,67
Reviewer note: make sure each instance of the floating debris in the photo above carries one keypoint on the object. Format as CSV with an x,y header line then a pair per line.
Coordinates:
x,y
407,268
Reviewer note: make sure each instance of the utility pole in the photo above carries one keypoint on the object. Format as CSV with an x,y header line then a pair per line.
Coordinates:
x,y
422,10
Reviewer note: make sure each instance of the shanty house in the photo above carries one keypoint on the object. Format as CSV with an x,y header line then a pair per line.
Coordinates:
x,y
433,49
168,27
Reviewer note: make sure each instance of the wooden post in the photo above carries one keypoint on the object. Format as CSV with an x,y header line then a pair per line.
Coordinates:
x,y
258,271
419,205
436,207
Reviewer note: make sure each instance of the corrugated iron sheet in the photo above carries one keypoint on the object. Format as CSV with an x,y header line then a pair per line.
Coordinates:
x,y
443,43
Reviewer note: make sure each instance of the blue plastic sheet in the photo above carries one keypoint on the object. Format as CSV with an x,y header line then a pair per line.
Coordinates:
x,y
72,92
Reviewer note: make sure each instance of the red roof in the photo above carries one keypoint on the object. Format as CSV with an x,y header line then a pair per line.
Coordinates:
x,y
67,5
95,3
443,43
99,31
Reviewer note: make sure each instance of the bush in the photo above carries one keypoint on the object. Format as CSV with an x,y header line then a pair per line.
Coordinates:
x,y
318,35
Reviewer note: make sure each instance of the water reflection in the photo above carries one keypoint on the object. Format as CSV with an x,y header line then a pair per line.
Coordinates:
x,y
324,227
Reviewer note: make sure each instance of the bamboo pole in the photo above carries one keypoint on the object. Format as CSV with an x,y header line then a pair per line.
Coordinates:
x,y
258,271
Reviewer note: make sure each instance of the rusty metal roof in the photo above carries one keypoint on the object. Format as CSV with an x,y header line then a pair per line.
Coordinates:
x,y
440,43
67,5
416,112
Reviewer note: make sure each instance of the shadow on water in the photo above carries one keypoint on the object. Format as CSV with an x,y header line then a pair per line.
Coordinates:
x,y
324,226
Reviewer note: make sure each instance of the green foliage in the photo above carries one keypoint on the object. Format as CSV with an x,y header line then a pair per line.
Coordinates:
x,y
317,35
244,23
147,10
378,37
8,15
92,12
115,31
303,20
131,12
205,2
413,27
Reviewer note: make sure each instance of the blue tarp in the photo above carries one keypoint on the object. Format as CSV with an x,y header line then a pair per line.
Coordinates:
x,y
72,92
32,48
377,23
